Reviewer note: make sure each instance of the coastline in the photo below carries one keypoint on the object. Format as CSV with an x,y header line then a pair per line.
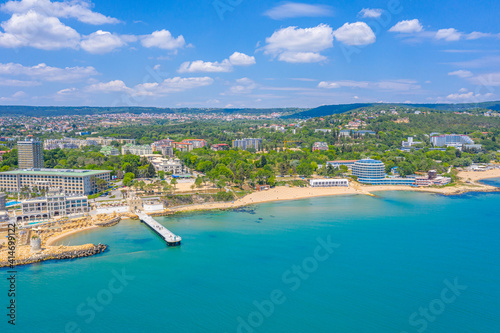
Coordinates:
x,y
283,193
63,235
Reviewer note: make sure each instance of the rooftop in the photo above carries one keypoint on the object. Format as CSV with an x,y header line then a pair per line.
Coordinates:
x,y
56,172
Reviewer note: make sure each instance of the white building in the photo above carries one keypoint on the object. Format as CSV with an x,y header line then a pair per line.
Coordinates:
x,y
46,208
329,183
137,150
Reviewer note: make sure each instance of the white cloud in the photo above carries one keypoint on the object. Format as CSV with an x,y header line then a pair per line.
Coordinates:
x,y
226,65
48,73
110,87
101,42
200,66
17,83
477,35
295,40
38,31
176,84
291,10
301,57
358,33
81,10
461,73
370,12
243,86
449,35
394,85
241,59
464,95
67,91
163,39
407,27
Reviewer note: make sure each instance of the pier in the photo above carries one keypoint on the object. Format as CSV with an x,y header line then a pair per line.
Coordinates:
x,y
169,237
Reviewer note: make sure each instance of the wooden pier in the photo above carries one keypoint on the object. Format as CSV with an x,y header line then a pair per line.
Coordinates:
x,y
167,235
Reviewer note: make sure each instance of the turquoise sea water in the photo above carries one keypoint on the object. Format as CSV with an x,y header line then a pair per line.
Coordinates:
x,y
395,257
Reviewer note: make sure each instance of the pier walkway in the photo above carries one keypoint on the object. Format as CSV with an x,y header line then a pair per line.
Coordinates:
x,y
169,237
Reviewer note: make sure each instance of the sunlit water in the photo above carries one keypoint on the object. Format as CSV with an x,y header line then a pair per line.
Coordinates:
x,y
393,255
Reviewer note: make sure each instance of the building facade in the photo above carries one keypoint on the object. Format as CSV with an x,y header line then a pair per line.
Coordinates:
x,y
46,208
66,180
197,143
248,143
368,169
329,183
110,151
451,140
30,154
137,150
320,146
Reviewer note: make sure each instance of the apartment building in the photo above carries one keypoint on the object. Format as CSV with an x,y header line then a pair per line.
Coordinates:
x,y
30,154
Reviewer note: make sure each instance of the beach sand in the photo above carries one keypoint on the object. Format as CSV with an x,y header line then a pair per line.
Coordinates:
x,y
53,239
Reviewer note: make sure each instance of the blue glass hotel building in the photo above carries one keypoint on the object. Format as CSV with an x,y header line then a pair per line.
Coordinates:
x,y
372,172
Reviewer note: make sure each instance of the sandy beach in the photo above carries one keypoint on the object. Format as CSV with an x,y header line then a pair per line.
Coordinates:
x,y
294,193
60,236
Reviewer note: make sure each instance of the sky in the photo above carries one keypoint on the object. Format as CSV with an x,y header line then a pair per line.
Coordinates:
x,y
247,54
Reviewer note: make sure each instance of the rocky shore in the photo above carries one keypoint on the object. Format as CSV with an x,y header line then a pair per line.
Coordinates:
x,y
55,253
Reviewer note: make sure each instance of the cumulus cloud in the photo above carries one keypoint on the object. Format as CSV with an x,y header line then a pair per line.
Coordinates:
x,y
291,10
226,65
407,27
461,73
38,31
241,59
110,87
394,85
370,12
101,42
449,35
465,96
48,73
358,33
163,39
80,10
301,57
292,40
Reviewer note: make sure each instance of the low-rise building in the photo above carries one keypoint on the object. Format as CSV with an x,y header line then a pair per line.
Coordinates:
x,y
220,147
52,206
173,166
197,143
107,141
110,151
320,146
137,150
337,164
183,146
329,183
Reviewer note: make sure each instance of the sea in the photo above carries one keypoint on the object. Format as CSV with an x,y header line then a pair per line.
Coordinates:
x,y
398,262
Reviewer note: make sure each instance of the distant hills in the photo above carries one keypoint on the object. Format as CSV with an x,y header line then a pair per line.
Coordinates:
x,y
327,110
321,111
52,111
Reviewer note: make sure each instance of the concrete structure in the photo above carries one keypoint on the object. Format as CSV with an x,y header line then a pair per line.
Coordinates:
x,y
182,146
107,141
410,143
30,154
110,151
248,143
368,169
197,143
69,181
53,206
67,143
329,183
169,237
451,140
137,150
320,146
171,165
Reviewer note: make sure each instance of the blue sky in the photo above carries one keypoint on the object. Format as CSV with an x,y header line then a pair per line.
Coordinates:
x,y
242,53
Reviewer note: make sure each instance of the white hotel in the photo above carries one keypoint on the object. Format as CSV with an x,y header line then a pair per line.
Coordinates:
x,y
329,183
70,181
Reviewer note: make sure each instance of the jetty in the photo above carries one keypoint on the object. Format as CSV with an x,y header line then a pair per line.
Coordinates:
x,y
169,237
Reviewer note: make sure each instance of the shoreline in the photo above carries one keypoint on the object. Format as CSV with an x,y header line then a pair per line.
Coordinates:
x,y
50,242
284,193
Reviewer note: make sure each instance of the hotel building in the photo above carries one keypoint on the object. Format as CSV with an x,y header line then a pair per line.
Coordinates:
x,y
67,180
451,140
137,150
372,172
42,209
30,154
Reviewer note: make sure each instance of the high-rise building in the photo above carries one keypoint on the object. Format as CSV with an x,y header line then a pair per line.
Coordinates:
x,y
248,143
30,154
